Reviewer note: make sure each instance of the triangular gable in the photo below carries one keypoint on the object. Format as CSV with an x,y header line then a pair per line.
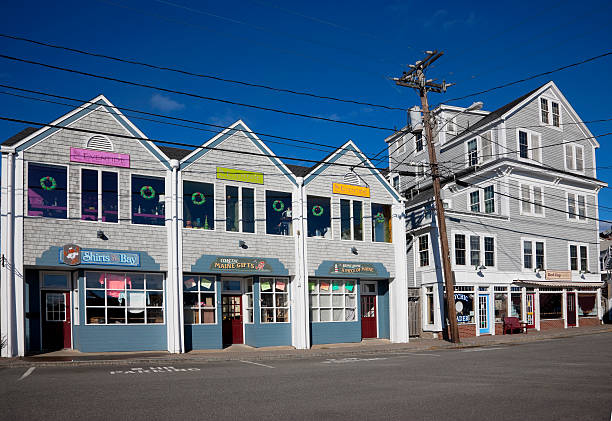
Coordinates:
x,y
351,147
238,126
82,111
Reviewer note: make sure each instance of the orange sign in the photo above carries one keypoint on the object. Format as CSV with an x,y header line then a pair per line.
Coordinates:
x,y
351,190
559,275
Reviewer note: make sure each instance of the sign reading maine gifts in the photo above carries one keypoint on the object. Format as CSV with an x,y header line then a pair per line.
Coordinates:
x,y
110,159
240,175
241,264
73,255
350,190
339,267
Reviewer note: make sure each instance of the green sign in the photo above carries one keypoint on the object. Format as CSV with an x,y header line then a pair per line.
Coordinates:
x,y
240,264
342,267
240,175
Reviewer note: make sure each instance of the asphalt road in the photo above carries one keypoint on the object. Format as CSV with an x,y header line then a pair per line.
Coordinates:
x,y
559,379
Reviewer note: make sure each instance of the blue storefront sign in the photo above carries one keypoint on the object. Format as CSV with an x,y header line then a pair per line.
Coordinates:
x,y
73,255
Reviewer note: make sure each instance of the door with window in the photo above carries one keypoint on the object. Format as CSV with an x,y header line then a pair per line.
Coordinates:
x,y
530,310
571,309
56,329
232,319
368,310
483,314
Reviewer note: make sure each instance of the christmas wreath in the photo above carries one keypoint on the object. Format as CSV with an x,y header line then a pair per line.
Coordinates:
x,y
278,205
379,218
317,210
147,192
198,198
48,183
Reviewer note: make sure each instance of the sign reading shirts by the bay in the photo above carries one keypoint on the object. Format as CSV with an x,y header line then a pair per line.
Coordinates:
x,y
350,190
73,255
241,264
240,175
110,159
339,267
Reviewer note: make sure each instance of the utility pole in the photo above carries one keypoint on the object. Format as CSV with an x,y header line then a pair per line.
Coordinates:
x,y
415,78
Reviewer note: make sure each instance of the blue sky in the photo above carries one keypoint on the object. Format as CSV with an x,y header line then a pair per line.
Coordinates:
x,y
341,49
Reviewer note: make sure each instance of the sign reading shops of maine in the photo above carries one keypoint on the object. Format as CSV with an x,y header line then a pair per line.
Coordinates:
x,y
241,264
352,268
73,255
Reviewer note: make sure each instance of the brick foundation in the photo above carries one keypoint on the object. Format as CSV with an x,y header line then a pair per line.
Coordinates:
x,y
588,321
499,328
551,324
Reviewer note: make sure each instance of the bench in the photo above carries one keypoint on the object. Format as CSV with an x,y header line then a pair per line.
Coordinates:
x,y
513,323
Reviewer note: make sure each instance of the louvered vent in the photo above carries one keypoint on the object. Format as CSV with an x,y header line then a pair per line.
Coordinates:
x,y
101,143
351,178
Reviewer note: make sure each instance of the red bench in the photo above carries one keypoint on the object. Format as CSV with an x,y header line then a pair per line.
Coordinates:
x,y
513,323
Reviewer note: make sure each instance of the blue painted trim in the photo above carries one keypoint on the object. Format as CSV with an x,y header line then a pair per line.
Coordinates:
x,y
203,265
382,316
49,258
324,270
338,155
91,107
239,128
259,334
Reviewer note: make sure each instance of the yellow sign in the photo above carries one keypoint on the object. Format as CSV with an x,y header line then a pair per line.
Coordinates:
x,y
240,175
350,190
559,275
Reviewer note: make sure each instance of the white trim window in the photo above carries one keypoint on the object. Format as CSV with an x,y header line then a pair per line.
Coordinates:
x,y
99,195
351,219
550,112
486,146
576,206
396,183
248,305
533,254
199,299
483,202
424,250
532,200
430,306
529,145
419,142
333,300
239,209
451,125
479,246
472,152
574,157
274,298
419,168
47,190
475,201
579,257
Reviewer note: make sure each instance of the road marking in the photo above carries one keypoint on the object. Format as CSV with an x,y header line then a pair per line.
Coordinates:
x,y
349,360
480,349
416,353
259,364
153,370
27,373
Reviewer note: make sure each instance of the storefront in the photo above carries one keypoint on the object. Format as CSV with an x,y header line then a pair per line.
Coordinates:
x,y
95,301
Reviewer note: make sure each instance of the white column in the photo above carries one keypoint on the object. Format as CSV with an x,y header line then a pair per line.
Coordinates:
x,y
7,302
524,304
576,307
174,326
300,322
564,306
398,286
536,308
476,306
599,308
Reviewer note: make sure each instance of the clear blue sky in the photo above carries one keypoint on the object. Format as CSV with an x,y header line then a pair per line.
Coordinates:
x,y
340,49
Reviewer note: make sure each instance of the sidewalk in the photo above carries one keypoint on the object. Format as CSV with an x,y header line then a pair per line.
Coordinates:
x,y
244,352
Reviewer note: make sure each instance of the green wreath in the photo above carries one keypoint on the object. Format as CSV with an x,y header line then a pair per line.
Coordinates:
x,y
317,210
278,205
379,218
198,198
147,192
44,183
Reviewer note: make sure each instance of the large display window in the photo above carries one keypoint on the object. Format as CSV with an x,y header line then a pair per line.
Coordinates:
x,y
332,300
199,299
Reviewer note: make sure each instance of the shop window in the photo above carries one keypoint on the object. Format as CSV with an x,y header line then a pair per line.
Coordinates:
x,y
424,250
148,200
95,206
381,223
464,307
55,280
274,296
551,306
501,307
198,205
231,286
516,305
249,301
239,218
199,299
319,217
124,298
587,305
332,300
430,305
47,191
279,215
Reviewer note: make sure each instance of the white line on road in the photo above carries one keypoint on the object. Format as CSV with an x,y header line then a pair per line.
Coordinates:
x,y
251,362
480,349
415,353
27,373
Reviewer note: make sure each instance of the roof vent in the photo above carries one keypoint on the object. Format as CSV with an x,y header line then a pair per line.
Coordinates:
x,y
99,142
352,178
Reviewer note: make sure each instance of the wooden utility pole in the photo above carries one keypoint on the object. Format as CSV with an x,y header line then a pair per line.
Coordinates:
x,y
415,78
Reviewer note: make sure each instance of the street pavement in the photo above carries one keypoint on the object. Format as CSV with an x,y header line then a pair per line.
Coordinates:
x,y
552,379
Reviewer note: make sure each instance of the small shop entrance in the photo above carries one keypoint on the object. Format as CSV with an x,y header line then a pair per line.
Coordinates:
x,y
530,310
232,319
571,309
368,310
56,330
483,314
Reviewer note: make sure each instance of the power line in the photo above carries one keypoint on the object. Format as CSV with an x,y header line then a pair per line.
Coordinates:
x,y
200,75
189,94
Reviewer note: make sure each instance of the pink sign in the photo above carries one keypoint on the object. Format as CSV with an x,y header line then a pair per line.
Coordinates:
x,y
89,156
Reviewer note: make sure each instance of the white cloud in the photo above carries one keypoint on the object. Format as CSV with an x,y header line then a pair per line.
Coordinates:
x,y
164,103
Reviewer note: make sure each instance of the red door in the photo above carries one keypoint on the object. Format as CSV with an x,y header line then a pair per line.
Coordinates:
x,y
530,307
571,309
56,332
232,319
368,316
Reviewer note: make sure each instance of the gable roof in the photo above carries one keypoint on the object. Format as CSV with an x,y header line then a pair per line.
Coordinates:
x,y
299,170
174,153
16,138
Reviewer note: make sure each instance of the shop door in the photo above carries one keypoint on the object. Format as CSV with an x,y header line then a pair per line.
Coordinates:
x,y
483,314
571,309
530,319
232,319
56,332
368,316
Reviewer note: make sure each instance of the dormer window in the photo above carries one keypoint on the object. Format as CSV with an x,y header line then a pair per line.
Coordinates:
x,y
101,143
472,153
418,138
529,145
550,112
